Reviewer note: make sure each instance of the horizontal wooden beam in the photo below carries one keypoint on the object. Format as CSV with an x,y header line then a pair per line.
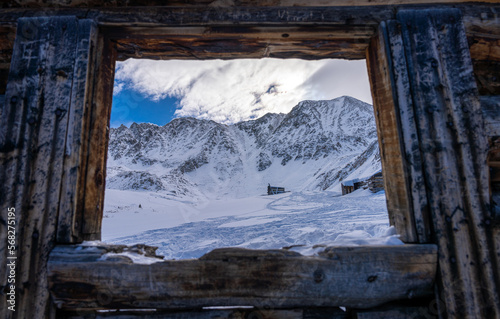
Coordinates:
x,y
105,277
214,3
242,312
306,42
321,29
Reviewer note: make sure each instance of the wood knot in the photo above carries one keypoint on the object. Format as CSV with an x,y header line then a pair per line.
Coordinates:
x,y
318,275
61,73
104,297
99,179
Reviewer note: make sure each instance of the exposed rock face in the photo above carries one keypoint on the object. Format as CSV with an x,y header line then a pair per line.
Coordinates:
x,y
314,147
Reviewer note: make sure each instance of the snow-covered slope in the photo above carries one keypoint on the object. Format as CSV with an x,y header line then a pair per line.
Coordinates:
x,y
303,219
314,147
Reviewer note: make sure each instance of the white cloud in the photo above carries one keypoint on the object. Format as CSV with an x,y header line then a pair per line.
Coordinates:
x,y
237,90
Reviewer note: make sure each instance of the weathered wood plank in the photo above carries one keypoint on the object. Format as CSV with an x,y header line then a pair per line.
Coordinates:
x,y
311,42
490,106
480,21
214,3
95,142
33,127
358,24
396,313
396,128
80,278
70,206
485,48
454,147
250,313
494,183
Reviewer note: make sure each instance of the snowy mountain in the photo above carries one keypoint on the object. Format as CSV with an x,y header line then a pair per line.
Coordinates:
x,y
314,147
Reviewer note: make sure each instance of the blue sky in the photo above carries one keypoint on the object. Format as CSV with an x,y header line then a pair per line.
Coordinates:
x,y
131,106
228,91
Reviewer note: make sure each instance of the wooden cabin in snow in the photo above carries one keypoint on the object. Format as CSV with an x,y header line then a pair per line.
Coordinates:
x,y
273,190
374,183
434,74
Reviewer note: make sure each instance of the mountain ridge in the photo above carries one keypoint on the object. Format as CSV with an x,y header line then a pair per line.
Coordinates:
x,y
313,147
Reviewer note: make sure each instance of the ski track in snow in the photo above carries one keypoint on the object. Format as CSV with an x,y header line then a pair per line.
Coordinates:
x,y
297,218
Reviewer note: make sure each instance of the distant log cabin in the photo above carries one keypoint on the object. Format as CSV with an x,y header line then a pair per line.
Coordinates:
x,y
273,190
374,183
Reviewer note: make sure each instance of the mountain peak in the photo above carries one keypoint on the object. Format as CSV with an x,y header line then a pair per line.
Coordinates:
x,y
304,149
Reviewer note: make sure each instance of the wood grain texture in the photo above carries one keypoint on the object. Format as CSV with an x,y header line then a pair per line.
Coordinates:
x,y
242,313
348,276
218,3
490,107
33,129
401,164
95,143
230,42
357,22
70,206
454,147
401,161
396,313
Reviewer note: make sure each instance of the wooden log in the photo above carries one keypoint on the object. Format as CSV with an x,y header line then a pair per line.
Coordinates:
x,y
358,23
33,129
237,313
311,42
83,278
70,206
399,150
396,313
213,3
95,142
453,145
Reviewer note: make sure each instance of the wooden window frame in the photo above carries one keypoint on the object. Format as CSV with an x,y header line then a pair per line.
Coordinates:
x,y
104,37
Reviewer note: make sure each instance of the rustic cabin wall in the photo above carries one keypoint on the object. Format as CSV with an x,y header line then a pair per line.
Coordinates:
x,y
430,50
39,135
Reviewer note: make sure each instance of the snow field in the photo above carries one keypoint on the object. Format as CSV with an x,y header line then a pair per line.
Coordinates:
x,y
182,228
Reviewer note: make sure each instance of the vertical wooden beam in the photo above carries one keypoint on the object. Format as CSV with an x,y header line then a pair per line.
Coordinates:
x,y
71,209
454,150
448,136
396,128
34,124
95,145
